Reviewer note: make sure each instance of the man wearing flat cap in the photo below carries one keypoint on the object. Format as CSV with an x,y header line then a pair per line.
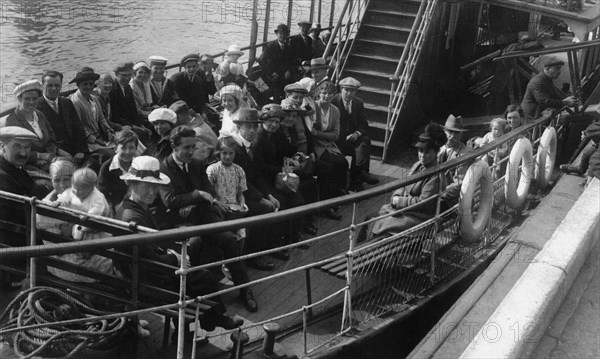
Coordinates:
x,y
277,62
122,102
353,140
541,92
192,85
301,44
15,146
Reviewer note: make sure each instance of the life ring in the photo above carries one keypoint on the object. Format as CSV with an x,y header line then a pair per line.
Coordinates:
x,y
516,191
546,156
478,176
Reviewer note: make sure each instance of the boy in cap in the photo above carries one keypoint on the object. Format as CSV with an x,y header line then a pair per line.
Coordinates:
x,y
192,85
163,89
277,62
542,94
353,140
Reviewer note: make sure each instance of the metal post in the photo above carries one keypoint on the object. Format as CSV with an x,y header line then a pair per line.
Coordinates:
x,y
196,328
238,338
182,295
308,290
253,35
347,311
438,207
267,20
312,11
320,11
289,16
32,242
331,12
305,326
271,330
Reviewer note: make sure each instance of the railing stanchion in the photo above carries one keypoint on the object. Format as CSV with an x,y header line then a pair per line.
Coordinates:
x,y
182,303
289,14
347,312
253,35
305,327
32,242
267,20
436,225
196,328
331,12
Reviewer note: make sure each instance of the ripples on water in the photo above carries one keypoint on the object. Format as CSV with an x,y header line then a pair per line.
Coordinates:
x,y
66,35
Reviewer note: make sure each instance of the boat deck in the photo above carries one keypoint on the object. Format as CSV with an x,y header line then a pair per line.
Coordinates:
x,y
290,290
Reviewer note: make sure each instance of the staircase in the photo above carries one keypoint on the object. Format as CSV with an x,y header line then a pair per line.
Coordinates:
x,y
377,49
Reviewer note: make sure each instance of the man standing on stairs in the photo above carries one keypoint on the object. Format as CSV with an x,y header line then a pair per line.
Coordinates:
x,y
353,140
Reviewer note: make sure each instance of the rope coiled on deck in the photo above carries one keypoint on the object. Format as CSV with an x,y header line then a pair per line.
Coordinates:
x,y
40,305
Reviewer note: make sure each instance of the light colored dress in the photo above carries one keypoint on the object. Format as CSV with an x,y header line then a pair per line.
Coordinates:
x,y
228,181
228,128
95,203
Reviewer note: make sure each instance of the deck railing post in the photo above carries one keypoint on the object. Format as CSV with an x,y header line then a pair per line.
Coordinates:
x,y
267,20
253,35
436,224
347,311
289,15
331,12
182,294
305,327
32,242
196,328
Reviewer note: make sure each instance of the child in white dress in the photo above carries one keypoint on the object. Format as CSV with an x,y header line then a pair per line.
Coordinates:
x,y
229,182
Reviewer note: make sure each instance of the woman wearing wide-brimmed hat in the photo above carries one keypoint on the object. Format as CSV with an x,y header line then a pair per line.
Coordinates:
x,y
27,116
144,180
99,134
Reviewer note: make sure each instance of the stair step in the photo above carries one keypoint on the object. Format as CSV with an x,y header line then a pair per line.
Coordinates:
x,y
388,27
364,61
389,17
392,12
382,42
374,73
377,108
408,6
377,90
392,59
392,33
375,95
378,46
377,125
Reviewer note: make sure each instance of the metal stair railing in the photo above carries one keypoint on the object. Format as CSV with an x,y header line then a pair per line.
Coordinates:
x,y
406,67
351,15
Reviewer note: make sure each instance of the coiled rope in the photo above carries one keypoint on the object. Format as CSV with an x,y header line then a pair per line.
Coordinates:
x,y
97,338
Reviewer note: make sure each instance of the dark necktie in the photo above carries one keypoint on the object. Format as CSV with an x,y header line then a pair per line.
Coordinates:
x,y
249,152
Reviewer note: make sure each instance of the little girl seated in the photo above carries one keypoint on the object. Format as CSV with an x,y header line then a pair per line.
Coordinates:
x,y
61,171
497,129
229,182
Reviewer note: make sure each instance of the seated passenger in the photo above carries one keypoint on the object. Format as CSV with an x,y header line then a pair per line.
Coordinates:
x,y
163,120
514,117
98,133
104,85
295,94
331,163
452,149
584,167
428,146
497,129
26,116
140,85
231,97
230,67
144,179
83,196
195,121
229,181
109,182
189,198
163,89
193,86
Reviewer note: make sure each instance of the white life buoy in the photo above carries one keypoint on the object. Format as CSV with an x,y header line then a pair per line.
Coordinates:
x,y
546,156
516,188
478,176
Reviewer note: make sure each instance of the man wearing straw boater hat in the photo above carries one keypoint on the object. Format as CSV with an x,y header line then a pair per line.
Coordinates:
x,y
353,139
144,180
318,71
277,62
190,198
301,44
162,88
453,148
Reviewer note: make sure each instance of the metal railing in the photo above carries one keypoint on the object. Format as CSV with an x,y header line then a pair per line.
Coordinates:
x,y
400,82
374,286
343,35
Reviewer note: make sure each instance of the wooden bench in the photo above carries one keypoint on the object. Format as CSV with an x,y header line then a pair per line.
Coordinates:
x,y
109,291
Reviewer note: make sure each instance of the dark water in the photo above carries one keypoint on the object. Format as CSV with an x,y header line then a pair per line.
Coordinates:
x,y
66,35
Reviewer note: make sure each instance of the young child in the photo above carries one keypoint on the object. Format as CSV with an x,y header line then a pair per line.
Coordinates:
x,y
497,129
231,66
84,196
229,182
61,172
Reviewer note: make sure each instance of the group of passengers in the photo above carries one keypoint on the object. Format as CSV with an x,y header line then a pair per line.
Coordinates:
x,y
137,146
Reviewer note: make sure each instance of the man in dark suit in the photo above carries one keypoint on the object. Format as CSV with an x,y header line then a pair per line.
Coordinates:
x,y
62,116
190,198
277,62
258,196
123,107
192,85
542,94
301,44
353,140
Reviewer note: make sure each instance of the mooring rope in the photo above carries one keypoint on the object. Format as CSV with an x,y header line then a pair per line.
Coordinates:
x,y
40,305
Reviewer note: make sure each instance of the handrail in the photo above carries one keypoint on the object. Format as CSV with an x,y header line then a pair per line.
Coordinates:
x,y
550,50
173,234
400,82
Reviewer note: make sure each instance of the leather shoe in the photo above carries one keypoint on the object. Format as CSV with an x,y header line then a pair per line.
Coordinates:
x,y
261,263
368,178
566,168
283,255
229,323
310,229
331,213
356,186
247,298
